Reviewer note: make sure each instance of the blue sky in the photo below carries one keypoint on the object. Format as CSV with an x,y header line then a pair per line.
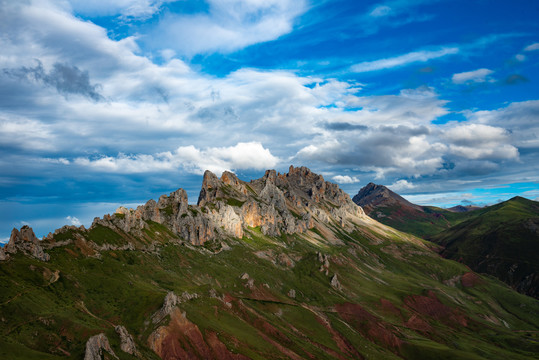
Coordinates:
x,y
108,103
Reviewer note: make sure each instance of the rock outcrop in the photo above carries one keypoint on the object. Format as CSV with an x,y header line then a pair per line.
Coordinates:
x,y
170,302
26,242
127,344
276,204
3,255
95,346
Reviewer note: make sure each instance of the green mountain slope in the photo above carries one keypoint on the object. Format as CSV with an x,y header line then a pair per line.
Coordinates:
x,y
502,240
282,267
391,209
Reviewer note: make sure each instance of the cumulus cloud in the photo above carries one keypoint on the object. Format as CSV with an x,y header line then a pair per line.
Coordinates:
x,y
73,221
520,119
402,185
532,47
228,26
241,156
4,240
477,141
345,179
477,76
403,60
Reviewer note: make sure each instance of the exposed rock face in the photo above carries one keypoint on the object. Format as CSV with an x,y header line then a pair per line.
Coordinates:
x,y
26,241
335,282
277,203
3,255
95,346
127,343
169,304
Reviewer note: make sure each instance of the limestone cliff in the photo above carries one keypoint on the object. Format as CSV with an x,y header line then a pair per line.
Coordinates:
x,y
276,204
26,242
227,207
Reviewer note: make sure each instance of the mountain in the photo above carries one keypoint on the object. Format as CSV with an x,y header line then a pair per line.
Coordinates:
x,y
281,267
502,240
391,209
460,208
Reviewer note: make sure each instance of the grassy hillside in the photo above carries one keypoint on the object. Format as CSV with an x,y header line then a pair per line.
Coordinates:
x,y
283,267
396,299
426,222
502,240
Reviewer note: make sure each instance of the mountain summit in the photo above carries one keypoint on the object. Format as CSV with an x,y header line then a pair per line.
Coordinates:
x,y
281,267
390,208
373,196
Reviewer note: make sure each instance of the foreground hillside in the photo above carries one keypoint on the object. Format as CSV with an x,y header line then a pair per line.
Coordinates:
x,y
391,209
501,240
282,267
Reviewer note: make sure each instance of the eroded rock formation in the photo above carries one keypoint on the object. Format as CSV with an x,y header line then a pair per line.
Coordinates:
x,y
95,346
127,344
26,241
275,204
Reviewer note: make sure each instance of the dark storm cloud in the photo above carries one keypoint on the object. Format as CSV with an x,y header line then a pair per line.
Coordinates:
x,y
65,78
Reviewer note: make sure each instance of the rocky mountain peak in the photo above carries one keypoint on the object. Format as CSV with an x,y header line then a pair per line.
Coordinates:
x,y
26,241
276,204
373,195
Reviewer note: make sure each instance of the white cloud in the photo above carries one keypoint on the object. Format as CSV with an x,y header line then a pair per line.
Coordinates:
x,y
520,57
402,60
402,185
218,159
26,133
380,11
477,141
346,179
478,76
73,220
141,9
520,119
229,25
4,240
532,47
445,198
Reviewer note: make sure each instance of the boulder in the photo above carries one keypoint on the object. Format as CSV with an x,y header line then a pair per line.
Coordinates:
x,y
95,346
127,344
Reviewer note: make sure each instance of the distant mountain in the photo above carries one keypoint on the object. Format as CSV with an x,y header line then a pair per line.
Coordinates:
x,y
281,267
391,209
460,208
502,240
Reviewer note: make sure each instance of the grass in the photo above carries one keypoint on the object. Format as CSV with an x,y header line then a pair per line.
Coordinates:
x,y
499,241
127,287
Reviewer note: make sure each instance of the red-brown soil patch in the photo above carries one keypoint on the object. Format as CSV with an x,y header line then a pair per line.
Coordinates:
x,y
418,324
369,325
387,307
181,339
433,308
470,279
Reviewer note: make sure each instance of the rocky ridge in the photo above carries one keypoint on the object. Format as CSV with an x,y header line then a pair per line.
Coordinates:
x,y
26,242
275,204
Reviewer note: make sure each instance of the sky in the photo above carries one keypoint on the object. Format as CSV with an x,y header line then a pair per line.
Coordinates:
x,y
115,102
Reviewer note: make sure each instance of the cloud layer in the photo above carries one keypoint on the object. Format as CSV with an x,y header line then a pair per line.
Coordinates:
x,y
100,99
